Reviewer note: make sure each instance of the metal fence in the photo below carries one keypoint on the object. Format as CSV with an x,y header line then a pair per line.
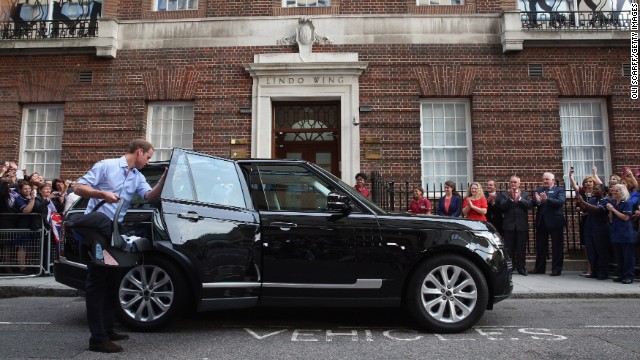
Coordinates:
x,y
396,197
587,20
48,29
26,252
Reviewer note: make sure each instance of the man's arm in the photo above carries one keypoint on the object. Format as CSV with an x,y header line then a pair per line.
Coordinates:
x,y
86,191
157,189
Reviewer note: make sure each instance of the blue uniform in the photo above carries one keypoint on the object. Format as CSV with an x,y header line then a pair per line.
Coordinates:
x,y
623,239
596,237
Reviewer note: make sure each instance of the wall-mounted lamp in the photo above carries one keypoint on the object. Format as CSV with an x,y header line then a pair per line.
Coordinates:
x,y
245,110
365,108
356,121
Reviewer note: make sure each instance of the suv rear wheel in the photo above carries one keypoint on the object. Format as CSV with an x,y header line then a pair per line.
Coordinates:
x,y
447,294
151,295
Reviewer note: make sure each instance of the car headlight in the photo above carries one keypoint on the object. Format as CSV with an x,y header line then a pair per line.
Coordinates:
x,y
492,237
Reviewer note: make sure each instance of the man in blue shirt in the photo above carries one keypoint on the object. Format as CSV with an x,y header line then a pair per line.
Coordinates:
x,y
110,180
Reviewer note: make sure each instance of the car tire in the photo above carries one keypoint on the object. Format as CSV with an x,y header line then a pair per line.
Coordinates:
x,y
151,295
447,294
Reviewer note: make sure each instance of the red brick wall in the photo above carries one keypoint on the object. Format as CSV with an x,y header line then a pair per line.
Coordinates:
x,y
515,120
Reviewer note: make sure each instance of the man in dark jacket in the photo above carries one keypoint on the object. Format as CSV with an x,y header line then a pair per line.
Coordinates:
x,y
549,200
515,206
494,213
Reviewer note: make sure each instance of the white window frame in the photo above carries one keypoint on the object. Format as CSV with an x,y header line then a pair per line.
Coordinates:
x,y
430,179
438,2
306,3
573,141
164,136
41,139
172,5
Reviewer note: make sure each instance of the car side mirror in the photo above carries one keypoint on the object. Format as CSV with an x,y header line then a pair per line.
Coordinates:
x,y
338,202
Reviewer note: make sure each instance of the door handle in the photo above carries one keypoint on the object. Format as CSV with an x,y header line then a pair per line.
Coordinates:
x,y
191,216
284,225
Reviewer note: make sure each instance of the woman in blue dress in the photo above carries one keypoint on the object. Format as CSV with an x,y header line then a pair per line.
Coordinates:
x,y
622,236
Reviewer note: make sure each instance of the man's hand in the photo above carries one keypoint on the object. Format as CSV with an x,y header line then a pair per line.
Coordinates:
x,y
110,197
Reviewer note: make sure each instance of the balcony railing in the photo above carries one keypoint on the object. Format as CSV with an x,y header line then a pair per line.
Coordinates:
x,y
48,29
565,21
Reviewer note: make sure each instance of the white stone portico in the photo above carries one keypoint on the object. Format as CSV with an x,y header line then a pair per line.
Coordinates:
x,y
321,76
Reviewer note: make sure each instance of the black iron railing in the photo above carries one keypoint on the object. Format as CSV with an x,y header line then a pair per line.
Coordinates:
x,y
395,197
566,21
48,29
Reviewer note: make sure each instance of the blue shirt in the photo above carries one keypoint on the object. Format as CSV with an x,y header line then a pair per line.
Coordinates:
x,y
622,231
113,175
597,222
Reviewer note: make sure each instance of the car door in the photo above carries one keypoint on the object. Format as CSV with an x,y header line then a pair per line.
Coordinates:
x,y
211,221
308,251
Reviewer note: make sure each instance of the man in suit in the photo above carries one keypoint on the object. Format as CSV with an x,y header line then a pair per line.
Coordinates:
x,y
549,200
515,206
494,214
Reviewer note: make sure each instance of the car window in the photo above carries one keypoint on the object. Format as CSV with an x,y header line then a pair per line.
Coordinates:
x,y
180,182
205,179
293,188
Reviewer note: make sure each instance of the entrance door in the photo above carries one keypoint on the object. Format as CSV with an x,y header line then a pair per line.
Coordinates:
x,y
308,131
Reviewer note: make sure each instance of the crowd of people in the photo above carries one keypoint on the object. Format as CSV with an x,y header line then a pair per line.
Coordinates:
x,y
609,217
31,203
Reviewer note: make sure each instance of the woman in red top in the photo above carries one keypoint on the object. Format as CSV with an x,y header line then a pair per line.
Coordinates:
x,y
419,204
475,204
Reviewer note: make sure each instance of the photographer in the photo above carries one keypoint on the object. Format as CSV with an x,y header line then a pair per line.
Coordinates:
x,y
59,194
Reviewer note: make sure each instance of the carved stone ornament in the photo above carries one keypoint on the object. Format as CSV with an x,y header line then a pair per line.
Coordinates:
x,y
305,37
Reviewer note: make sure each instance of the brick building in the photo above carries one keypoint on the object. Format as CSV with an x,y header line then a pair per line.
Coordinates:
x,y
465,90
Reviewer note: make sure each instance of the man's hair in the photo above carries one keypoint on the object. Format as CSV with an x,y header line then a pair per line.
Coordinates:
x,y
362,175
553,177
139,144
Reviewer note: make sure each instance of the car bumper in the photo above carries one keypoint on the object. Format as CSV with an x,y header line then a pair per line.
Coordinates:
x,y
70,274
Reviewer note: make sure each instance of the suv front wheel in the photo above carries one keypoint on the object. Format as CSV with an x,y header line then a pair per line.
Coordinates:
x,y
447,294
151,295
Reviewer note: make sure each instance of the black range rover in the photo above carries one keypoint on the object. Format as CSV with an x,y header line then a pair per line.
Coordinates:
x,y
242,233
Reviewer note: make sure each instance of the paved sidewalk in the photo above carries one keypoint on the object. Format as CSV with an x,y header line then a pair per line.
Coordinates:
x,y
569,285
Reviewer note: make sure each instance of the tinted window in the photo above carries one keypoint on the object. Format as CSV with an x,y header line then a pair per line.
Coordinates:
x,y
293,188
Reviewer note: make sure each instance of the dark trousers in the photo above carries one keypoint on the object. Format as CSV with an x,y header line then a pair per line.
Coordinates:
x,y
625,259
101,294
542,249
597,245
516,242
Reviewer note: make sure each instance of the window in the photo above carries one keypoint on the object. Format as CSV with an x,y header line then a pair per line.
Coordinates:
x,y
293,188
170,125
440,2
583,125
42,140
220,186
304,3
446,143
174,5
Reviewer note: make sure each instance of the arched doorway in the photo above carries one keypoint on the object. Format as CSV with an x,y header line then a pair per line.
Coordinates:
x,y
308,131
